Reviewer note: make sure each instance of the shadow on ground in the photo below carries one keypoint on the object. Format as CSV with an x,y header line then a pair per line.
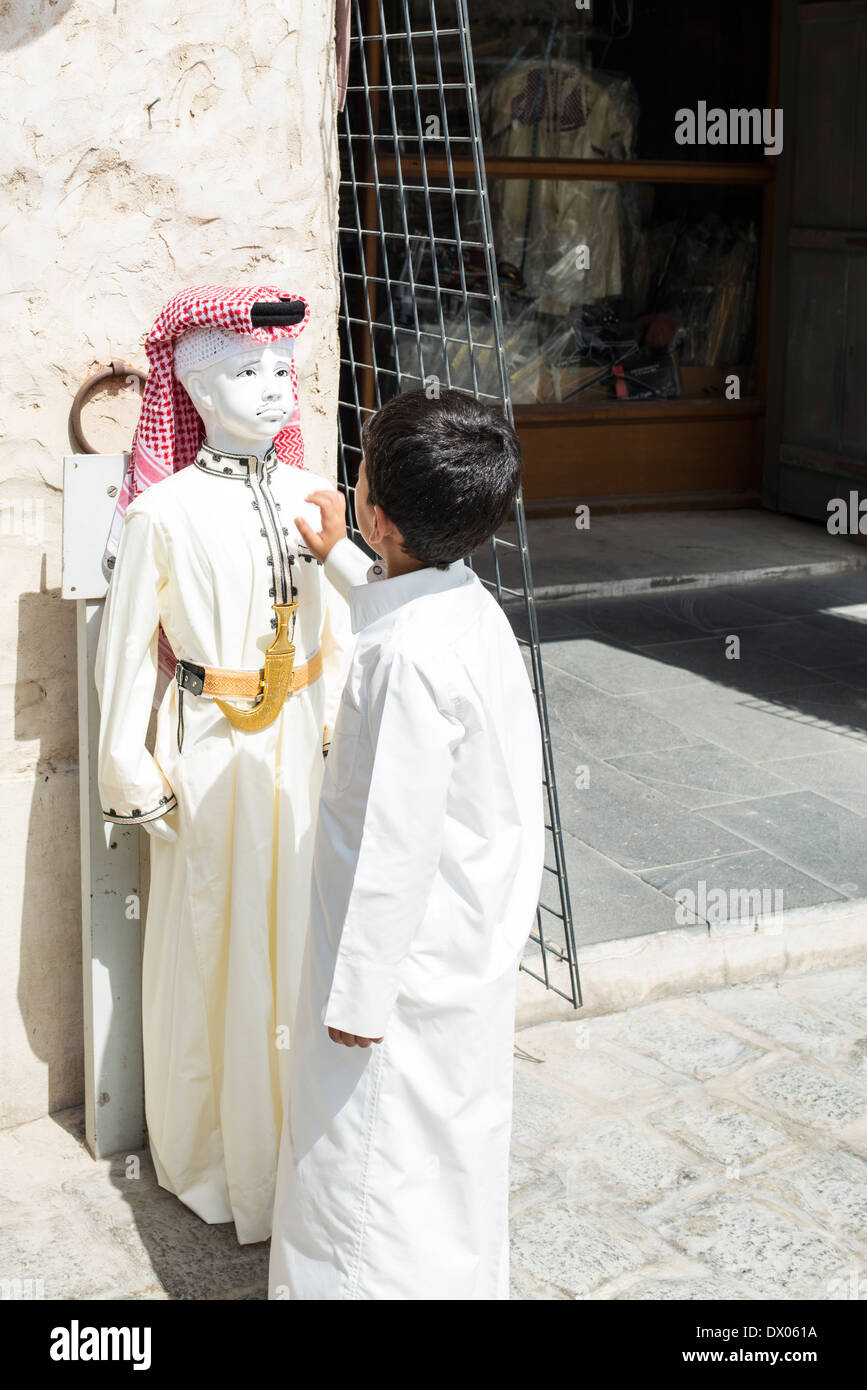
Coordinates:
x,y
178,1255
708,736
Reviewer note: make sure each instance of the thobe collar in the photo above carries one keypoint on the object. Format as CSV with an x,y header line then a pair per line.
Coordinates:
x,y
380,595
216,461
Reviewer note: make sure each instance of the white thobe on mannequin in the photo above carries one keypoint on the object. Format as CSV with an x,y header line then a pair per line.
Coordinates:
x,y
203,552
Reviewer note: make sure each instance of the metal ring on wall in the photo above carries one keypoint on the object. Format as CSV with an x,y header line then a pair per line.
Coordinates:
x,y
117,369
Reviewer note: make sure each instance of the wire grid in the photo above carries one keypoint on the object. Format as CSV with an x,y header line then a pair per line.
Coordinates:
x,y
420,303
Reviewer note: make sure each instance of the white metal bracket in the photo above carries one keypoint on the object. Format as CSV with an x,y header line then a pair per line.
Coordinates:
x,y
110,865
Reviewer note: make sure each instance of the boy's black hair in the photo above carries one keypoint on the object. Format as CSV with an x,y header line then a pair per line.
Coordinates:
x,y
445,470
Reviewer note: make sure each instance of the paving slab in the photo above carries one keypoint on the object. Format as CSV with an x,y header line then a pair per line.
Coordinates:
x,y
803,1093
687,1288
628,821
746,1239
721,1130
582,1064
748,666
807,595
175,1250
564,1244
609,903
841,777
838,993
624,1160
852,673
816,643
829,1187
757,727
634,621
679,1038
604,726
810,832
65,1255
835,706
703,774
540,1114
615,669
717,609
737,887
774,1017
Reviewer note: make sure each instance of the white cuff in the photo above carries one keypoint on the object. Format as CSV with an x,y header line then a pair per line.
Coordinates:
x,y
346,566
361,999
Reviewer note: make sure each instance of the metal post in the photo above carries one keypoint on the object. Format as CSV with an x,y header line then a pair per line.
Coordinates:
x,y
110,865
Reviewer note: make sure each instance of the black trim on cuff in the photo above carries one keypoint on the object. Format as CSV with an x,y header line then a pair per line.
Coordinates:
x,y
136,817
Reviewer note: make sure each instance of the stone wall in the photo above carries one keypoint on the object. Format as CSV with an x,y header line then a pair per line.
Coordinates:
x,y
145,148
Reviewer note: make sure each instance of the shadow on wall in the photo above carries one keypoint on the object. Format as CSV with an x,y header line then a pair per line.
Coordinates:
x,y
49,978
22,21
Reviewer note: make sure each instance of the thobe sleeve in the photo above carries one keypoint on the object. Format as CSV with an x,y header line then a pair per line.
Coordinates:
x,y
338,641
412,739
346,565
132,786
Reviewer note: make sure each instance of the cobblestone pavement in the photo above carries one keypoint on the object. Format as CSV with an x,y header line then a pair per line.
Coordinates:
x,y
708,1147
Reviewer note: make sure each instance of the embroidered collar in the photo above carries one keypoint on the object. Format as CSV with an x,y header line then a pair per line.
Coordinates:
x,y
211,460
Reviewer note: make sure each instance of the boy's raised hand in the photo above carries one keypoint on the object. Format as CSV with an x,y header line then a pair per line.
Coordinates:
x,y
350,1039
332,506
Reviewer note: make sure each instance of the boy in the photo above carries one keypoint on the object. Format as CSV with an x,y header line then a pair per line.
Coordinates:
x,y
393,1175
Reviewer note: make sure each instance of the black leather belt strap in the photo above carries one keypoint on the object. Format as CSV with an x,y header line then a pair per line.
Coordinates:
x,y
189,677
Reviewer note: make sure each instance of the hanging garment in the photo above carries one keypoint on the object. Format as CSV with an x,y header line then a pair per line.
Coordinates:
x,y
393,1177
205,553
559,110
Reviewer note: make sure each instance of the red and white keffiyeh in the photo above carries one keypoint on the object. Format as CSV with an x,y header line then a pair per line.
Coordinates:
x,y
170,429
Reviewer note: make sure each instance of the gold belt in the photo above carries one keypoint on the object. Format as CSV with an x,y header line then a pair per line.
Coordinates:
x,y
268,687
248,685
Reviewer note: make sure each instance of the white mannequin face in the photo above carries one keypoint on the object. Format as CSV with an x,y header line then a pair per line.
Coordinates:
x,y
246,399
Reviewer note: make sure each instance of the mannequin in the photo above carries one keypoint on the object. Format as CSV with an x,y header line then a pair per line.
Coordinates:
x,y
211,553
243,402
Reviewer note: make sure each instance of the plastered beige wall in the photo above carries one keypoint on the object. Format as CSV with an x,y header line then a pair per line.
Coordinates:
x,y
145,148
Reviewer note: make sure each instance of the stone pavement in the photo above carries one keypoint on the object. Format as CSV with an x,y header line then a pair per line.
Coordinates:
x,y
710,743
628,552
708,1147
713,1146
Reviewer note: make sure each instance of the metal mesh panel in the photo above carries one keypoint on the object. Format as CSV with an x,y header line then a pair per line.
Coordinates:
x,y
420,302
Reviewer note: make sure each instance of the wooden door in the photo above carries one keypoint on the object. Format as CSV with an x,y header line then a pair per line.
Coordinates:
x,y
817,419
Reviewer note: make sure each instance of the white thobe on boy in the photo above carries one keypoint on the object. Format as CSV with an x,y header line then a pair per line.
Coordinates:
x,y
393,1173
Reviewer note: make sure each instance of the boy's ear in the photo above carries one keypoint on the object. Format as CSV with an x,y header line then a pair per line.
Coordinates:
x,y
382,527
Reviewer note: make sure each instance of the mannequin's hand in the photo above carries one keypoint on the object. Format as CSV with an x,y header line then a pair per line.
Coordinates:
x,y
332,507
160,829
